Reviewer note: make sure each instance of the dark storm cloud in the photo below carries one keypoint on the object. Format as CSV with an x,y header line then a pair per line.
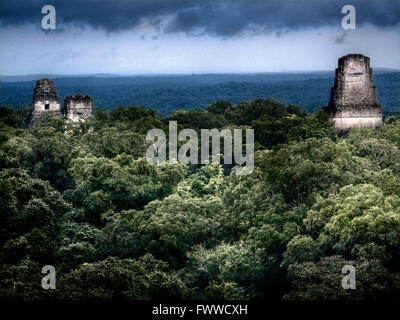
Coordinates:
x,y
224,18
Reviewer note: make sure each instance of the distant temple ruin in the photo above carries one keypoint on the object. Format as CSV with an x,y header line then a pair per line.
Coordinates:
x,y
353,102
46,101
77,108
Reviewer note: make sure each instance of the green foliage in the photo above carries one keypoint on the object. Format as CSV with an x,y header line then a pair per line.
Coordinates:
x,y
322,281
301,249
225,264
76,244
130,113
118,238
22,281
144,278
270,132
357,217
29,203
380,152
171,227
110,142
246,112
298,169
121,183
197,119
116,227
223,291
219,106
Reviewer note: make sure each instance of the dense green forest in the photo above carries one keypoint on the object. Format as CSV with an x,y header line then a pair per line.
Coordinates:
x,y
166,93
115,227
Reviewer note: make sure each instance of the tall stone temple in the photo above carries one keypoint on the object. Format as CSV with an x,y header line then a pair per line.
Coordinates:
x,y
46,101
353,102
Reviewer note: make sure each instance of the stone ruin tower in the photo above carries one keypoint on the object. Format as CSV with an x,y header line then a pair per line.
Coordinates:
x,y
45,100
353,102
77,108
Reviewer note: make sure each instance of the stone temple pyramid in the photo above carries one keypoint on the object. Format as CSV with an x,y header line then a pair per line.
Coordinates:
x,y
353,102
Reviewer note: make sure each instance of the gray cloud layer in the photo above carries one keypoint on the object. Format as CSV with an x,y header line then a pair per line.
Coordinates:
x,y
222,18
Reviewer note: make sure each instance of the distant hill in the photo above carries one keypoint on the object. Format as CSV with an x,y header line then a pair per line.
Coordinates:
x,y
31,77
165,93
378,70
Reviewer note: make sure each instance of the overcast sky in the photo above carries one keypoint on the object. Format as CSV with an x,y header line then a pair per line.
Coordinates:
x,y
194,36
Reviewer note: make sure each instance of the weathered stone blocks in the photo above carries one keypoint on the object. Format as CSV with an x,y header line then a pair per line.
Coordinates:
x,y
77,108
353,102
46,101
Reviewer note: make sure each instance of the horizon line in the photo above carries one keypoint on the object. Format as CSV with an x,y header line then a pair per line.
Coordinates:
x,y
184,73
